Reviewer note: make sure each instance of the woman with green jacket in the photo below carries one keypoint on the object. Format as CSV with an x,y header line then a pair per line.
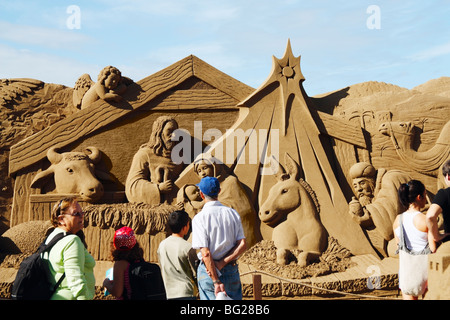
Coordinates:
x,y
69,256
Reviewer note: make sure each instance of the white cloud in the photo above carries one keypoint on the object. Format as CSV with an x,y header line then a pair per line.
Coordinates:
x,y
433,52
41,36
23,63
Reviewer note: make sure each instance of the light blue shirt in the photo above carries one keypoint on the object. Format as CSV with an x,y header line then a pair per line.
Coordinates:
x,y
217,228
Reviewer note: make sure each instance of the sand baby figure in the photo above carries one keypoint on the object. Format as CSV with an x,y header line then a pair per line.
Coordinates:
x,y
110,86
189,196
232,193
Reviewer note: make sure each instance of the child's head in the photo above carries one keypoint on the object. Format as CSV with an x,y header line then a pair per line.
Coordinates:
x,y
125,246
192,192
446,169
124,239
178,220
408,192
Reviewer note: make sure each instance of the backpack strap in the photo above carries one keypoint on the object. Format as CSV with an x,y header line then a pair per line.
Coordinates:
x,y
402,242
46,247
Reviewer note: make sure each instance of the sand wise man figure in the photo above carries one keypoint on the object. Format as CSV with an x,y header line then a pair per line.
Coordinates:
x,y
376,203
152,172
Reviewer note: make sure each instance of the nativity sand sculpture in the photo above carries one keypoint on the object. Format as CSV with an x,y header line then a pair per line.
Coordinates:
x,y
152,171
328,141
375,204
231,193
292,210
110,86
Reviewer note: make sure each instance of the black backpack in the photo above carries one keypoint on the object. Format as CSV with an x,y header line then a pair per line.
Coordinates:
x,y
145,281
31,282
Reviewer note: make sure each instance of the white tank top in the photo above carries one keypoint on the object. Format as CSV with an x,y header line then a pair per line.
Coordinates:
x,y
415,239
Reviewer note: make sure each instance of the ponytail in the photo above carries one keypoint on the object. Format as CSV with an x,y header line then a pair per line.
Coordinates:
x,y
408,192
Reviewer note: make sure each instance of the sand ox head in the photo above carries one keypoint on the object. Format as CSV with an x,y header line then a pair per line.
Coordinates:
x,y
74,172
287,194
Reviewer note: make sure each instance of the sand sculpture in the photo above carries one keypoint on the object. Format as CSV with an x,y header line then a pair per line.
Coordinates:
x,y
427,162
333,141
281,107
152,172
189,196
110,86
231,194
74,172
293,211
376,203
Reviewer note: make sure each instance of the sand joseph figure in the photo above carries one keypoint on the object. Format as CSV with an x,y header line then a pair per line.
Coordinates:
x,y
152,171
376,203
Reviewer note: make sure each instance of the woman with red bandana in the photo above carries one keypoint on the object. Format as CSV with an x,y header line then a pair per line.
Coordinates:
x,y
126,250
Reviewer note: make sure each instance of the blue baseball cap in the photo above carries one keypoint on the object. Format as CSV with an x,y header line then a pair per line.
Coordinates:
x,y
209,186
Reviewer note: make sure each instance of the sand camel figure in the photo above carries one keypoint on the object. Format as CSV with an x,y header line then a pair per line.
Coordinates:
x,y
292,210
426,162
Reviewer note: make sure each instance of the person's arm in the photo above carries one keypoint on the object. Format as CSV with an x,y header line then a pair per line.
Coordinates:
x,y
432,215
233,254
395,226
193,261
73,261
115,286
211,269
420,222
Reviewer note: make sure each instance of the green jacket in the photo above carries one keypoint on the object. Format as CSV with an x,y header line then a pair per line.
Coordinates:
x,y
70,256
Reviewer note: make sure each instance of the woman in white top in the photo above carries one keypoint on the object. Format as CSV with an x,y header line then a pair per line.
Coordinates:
x,y
415,231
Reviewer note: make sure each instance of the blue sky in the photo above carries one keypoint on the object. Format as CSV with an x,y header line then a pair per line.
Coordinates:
x,y
341,43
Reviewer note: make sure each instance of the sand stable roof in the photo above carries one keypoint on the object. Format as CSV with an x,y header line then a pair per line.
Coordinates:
x,y
102,113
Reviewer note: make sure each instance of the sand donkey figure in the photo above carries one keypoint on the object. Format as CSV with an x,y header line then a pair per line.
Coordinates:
x,y
292,210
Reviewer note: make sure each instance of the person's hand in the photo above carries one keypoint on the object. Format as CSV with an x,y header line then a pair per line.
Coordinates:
x,y
355,208
107,283
166,186
220,264
179,205
219,287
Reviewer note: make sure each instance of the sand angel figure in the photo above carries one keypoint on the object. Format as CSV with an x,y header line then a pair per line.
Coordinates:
x,y
110,86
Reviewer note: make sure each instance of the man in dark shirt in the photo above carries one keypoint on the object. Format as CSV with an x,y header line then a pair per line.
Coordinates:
x,y
441,204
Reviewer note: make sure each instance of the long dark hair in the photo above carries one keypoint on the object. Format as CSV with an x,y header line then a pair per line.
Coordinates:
x,y
408,192
132,255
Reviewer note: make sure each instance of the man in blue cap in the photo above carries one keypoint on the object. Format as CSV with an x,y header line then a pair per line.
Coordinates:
x,y
217,231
